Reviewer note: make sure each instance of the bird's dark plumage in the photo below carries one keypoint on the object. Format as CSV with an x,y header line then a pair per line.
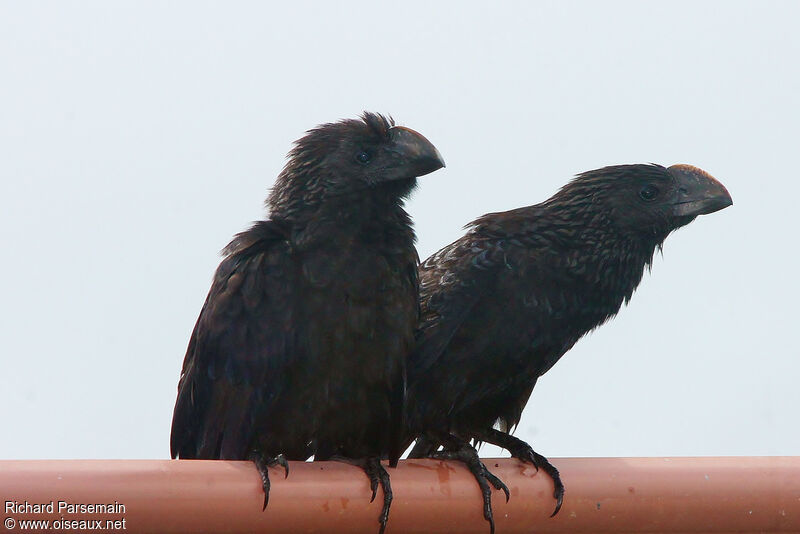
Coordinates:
x,y
301,345
502,304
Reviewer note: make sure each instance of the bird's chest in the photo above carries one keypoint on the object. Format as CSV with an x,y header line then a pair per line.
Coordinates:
x,y
358,302
550,314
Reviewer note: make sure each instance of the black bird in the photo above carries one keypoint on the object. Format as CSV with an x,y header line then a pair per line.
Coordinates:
x,y
502,304
301,345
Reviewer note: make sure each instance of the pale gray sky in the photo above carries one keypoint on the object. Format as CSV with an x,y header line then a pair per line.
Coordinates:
x,y
137,137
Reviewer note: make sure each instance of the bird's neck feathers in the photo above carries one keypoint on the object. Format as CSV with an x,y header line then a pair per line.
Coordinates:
x,y
613,267
608,258
579,241
306,197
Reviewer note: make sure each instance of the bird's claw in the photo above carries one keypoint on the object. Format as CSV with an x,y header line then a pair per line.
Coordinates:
x,y
373,476
373,485
263,463
469,456
525,453
281,461
537,460
376,475
496,482
530,457
387,495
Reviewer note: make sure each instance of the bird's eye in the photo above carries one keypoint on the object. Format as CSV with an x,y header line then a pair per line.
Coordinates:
x,y
648,192
363,157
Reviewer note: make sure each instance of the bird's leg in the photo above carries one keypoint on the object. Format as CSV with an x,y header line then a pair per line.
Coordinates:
x,y
376,475
460,450
522,451
424,447
263,463
469,452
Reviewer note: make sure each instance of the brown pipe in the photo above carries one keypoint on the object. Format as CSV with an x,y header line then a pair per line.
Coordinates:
x,y
730,494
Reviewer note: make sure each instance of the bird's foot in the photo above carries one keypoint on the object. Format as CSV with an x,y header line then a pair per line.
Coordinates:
x,y
376,475
263,463
469,456
525,453
522,451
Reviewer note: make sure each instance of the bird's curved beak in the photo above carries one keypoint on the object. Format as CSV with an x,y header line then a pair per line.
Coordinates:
x,y
699,193
416,154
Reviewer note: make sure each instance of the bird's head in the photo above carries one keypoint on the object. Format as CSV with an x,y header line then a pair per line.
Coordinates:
x,y
651,200
350,156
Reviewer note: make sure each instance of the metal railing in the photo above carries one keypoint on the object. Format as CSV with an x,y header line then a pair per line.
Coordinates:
x,y
724,494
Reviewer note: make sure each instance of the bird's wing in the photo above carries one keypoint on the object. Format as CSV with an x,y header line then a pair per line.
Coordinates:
x,y
467,344
453,282
241,342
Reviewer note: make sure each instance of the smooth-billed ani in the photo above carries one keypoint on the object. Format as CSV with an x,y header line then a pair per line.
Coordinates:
x,y
301,345
502,304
